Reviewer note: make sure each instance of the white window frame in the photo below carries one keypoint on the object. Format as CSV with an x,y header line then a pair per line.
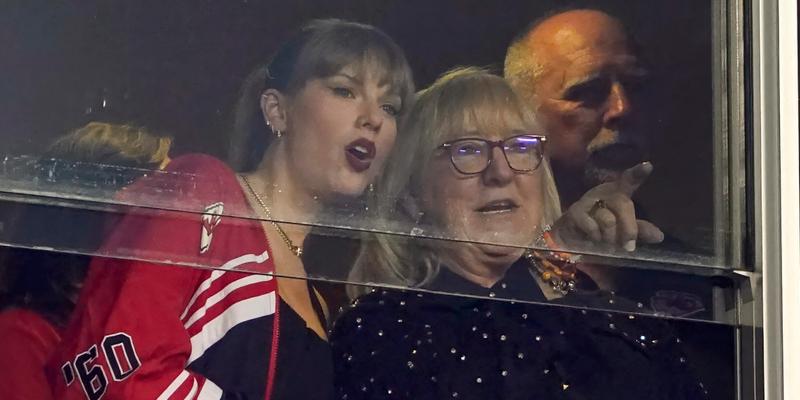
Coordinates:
x,y
776,193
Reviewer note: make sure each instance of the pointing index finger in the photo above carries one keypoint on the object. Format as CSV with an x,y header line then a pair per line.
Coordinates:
x,y
633,177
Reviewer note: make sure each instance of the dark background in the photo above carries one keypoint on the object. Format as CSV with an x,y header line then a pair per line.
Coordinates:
x,y
175,67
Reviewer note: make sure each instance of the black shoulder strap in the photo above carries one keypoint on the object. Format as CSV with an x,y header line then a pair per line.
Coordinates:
x,y
316,305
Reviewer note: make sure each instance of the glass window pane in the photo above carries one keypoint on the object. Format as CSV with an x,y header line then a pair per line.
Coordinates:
x,y
367,165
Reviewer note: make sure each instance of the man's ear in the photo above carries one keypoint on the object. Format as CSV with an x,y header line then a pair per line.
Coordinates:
x,y
273,109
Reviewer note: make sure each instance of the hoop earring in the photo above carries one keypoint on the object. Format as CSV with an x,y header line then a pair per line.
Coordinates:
x,y
276,132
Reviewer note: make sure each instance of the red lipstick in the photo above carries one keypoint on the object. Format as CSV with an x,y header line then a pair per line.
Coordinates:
x,y
359,154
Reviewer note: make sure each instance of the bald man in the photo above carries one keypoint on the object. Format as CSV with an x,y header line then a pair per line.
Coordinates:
x,y
578,71
580,74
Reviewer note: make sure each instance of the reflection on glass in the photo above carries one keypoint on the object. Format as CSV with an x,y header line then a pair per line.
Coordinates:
x,y
467,206
658,84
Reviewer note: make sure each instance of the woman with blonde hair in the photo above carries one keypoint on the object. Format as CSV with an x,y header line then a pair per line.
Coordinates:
x,y
313,127
470,169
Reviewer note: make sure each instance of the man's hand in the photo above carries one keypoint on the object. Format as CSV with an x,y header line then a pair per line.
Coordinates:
x,y
605,215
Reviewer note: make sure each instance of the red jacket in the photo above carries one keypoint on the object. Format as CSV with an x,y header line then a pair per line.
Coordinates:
x,y
27,342
146,330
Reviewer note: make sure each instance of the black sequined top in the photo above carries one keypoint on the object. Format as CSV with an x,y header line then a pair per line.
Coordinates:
x,y
404,345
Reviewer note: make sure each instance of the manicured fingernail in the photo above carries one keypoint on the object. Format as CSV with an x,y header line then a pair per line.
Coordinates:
x,y
644,169
630,245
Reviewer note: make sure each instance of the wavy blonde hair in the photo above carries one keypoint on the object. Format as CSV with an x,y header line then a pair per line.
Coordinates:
x,y
465,96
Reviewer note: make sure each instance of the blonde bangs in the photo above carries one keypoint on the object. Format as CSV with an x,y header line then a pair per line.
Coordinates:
x,y
472,102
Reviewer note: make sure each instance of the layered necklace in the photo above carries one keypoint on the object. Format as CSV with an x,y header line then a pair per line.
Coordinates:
x,y
296,250
553,267
559,275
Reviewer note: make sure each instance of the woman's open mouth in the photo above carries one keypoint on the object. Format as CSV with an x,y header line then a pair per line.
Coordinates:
x,y
359,154
498,207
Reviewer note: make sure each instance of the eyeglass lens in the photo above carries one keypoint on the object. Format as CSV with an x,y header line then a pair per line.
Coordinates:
x,y
471,156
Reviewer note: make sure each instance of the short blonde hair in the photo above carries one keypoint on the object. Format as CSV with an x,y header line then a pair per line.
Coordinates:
x,y
466,96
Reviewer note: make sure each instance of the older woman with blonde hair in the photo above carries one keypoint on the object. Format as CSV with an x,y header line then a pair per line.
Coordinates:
x,y
470,170
412,182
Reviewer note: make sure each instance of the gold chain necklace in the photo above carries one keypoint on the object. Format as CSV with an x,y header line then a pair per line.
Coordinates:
x,y
296,250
